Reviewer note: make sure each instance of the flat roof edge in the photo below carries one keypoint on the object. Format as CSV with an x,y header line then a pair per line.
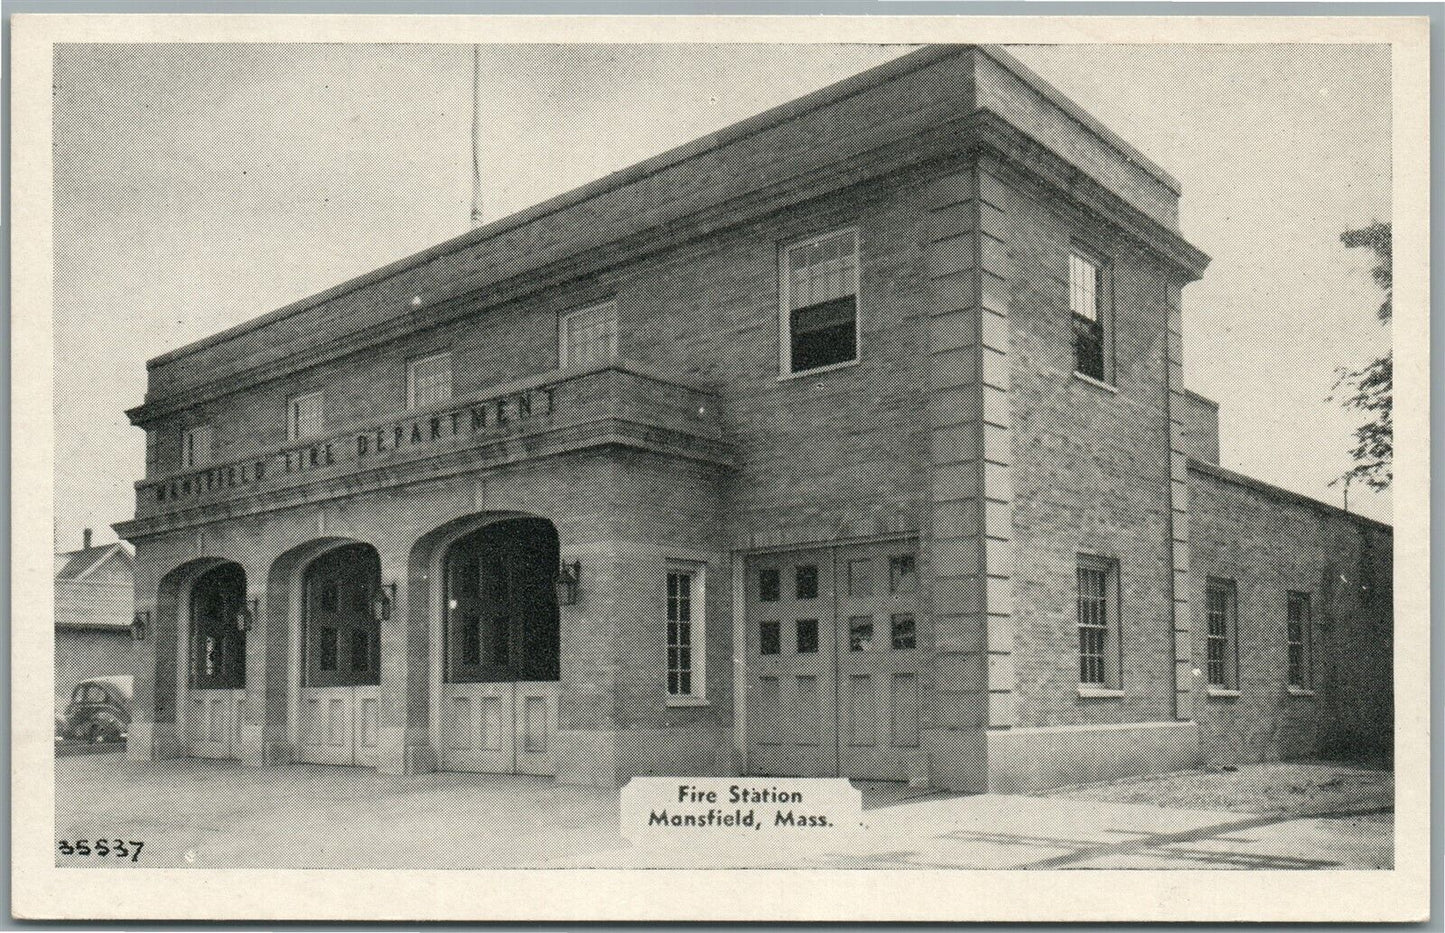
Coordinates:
x,y
1279,492
832,93
836,91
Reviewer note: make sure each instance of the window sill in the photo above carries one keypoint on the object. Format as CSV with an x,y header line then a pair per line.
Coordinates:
x,y
1088,691
1223,692
1301,692
688,701
1096,383
832,367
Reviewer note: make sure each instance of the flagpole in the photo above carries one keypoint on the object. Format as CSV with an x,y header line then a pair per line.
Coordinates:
x,y
476,136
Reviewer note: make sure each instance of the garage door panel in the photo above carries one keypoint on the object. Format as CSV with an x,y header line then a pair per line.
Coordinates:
x,y
833,637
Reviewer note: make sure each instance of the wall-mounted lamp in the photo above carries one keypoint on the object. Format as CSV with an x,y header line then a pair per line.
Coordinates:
x,y
566,582
140,624
382,602
246,615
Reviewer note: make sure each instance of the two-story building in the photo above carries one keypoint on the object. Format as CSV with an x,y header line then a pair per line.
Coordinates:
x,y
848,440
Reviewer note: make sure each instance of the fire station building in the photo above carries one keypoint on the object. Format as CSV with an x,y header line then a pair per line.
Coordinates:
x,y
848,440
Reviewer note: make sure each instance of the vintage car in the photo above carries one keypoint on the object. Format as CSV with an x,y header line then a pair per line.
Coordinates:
x,y
99,710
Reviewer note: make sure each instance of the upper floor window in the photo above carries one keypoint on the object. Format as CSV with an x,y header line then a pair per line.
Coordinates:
x,y
196,446
1298,636
588,335
1088,306
820,303
1221,649
428,380
153,448
1098,622
307,417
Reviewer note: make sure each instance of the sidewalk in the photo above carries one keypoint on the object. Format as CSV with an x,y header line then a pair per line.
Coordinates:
x,y
1002,831
217,814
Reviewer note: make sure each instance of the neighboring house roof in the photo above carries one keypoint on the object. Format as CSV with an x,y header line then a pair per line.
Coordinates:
x,y
94,587
77,565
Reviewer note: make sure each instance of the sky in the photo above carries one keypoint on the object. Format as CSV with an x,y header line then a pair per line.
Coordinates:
x,y
198,186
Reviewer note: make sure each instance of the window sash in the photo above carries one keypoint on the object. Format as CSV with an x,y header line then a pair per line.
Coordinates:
x,y
1220,613
429,380
589,335
1297,636
684,618
308,416
820,303
196,446
153,447
1086,307
1094,624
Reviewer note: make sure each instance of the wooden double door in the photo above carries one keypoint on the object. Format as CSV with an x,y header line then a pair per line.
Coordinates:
x,y
215,703
498,705
833,651
339,716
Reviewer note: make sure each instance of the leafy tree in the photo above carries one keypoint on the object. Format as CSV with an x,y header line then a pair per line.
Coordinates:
x,y
1370,389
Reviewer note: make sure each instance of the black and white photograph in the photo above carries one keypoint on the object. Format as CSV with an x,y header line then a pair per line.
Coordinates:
x,y
897,454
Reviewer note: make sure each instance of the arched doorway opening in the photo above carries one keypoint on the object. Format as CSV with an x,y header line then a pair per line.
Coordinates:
x,y
500,648
340,658
215,663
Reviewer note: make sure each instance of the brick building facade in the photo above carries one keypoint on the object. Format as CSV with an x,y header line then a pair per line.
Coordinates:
x,y
850,439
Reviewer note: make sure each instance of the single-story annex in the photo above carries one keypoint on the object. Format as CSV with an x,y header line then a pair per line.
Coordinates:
x,y
848,440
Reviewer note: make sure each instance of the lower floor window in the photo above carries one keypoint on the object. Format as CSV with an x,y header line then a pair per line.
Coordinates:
x,y
1220,657
1298,634
1097,623
684,632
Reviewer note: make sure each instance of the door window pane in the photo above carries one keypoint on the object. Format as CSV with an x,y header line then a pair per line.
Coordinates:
x,y
860,633
360,649
327,649
770,640
903,633
806,579
769,585
471,641
807,636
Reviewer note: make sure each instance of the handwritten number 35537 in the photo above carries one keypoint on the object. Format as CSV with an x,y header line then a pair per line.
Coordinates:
x,y
116,847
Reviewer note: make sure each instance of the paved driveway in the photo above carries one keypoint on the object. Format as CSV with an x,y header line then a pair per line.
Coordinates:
x,y
217,814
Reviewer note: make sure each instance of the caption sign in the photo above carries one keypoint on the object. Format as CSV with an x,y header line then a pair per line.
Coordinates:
x,y
708,810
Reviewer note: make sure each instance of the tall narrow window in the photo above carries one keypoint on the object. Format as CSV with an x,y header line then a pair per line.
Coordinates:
x,y
685,632
1298,634
1221,651
589,336
196,446
820,303
153,449
1088,308
429,380
1098,627
307,417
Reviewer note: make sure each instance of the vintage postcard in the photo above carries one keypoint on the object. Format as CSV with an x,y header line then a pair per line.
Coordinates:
x,y
720,468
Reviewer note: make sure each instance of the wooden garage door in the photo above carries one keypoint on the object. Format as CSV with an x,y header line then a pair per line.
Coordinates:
x,y
833,638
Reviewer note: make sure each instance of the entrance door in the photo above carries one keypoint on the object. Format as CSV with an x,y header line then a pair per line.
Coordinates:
x,y
793,665
832,655
216,665
341,659
498,708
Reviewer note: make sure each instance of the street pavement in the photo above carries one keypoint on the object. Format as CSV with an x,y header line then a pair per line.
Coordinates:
x,y
218,814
